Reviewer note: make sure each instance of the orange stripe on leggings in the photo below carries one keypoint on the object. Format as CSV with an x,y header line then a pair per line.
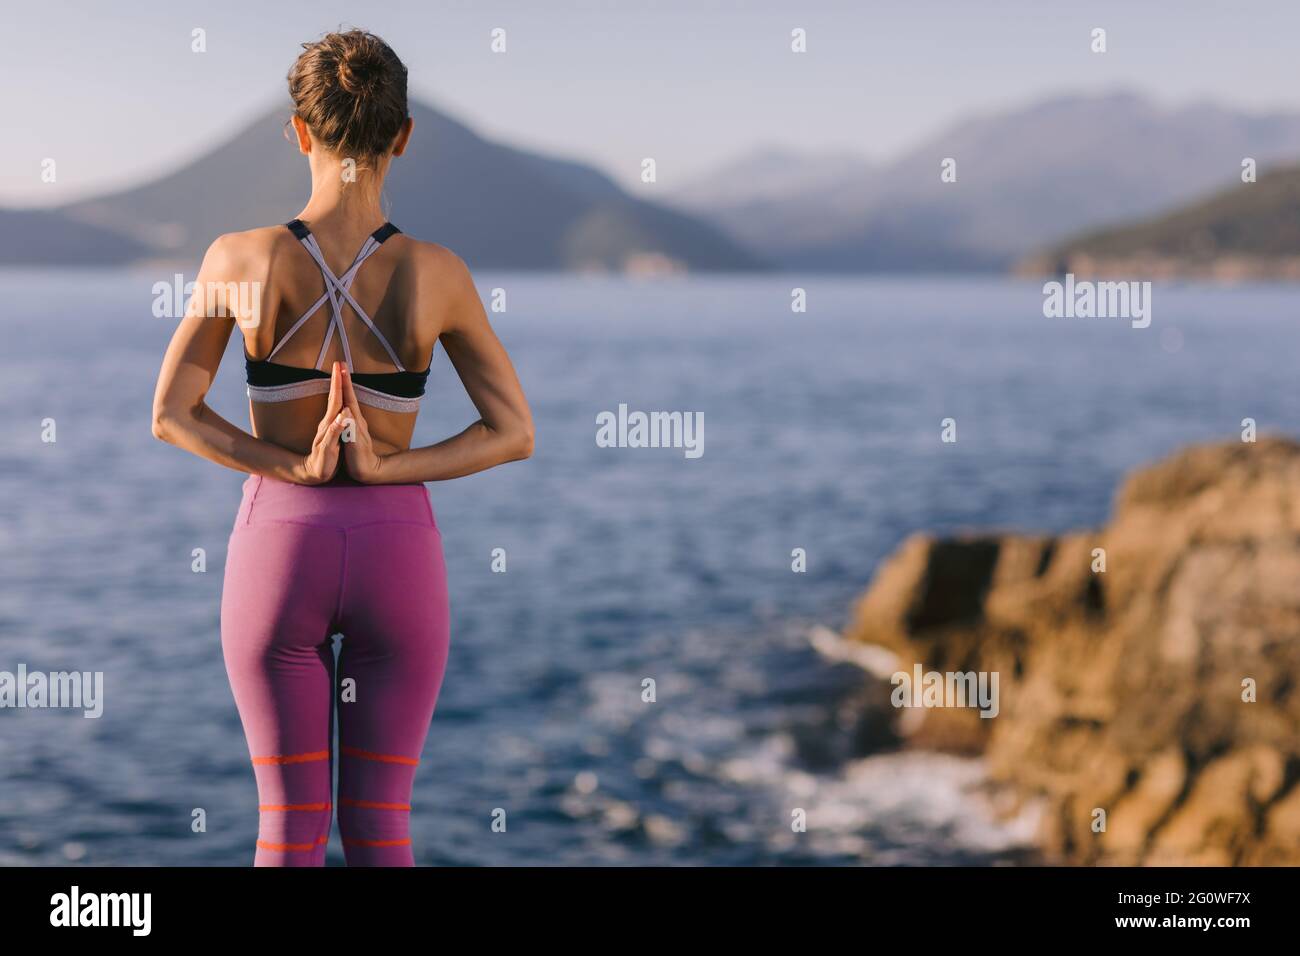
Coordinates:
x,y
293,806
290,847
372,805
406,842
293,758
383,758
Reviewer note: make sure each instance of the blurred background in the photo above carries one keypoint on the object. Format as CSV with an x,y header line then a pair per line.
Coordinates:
x,y
648,186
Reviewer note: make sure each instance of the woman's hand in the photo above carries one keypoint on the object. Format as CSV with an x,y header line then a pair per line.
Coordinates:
x,y
363,461
320,464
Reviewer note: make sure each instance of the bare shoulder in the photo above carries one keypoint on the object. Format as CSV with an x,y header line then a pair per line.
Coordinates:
x,y
441,279
240,263
239,254
438,263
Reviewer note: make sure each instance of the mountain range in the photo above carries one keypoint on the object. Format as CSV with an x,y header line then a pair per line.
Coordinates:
x,y
1025,178
496,206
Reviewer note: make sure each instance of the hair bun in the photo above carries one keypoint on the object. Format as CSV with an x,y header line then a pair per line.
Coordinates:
x,y
361,70
350,90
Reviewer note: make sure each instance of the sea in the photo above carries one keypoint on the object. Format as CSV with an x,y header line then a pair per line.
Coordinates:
x,y
653,676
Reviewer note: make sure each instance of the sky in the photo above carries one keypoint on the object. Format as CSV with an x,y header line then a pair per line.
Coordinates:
x,y
115,95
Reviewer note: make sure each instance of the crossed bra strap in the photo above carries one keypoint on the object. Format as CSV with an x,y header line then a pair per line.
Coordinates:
x,y
396,391
336,291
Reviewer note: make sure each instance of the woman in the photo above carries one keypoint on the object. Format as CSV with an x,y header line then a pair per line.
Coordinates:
x,y
335,533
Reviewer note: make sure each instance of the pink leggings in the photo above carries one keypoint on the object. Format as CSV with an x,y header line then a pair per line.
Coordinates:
x,y
304,564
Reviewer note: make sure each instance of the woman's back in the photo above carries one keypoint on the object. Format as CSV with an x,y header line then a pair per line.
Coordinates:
x,y
396,288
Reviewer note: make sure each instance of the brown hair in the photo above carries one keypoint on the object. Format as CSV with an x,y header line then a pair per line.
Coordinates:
x,y
350,90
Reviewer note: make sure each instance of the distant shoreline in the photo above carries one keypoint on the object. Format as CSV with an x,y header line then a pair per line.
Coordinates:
x,y
1226,276
1226,269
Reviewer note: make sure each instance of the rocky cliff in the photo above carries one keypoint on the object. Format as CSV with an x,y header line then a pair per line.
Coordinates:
x,y
1149,669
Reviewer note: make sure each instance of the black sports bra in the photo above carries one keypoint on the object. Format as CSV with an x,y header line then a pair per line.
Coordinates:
x,y
268,381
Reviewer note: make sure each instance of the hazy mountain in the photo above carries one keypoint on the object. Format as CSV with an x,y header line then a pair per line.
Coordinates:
x,y
772,173
494,205
36,237
1250,230
1025,178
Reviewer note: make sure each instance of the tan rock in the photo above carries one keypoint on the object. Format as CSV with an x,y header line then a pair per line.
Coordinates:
x,y
1140,809
1123,689
1215,825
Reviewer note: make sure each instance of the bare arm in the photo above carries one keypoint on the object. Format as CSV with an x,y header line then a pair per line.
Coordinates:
x,y
504,430
181,415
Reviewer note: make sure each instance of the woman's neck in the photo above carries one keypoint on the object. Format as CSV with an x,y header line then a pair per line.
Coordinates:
x,y
345,198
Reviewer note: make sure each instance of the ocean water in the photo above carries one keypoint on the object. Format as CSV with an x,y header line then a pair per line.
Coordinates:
x,y
821,432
